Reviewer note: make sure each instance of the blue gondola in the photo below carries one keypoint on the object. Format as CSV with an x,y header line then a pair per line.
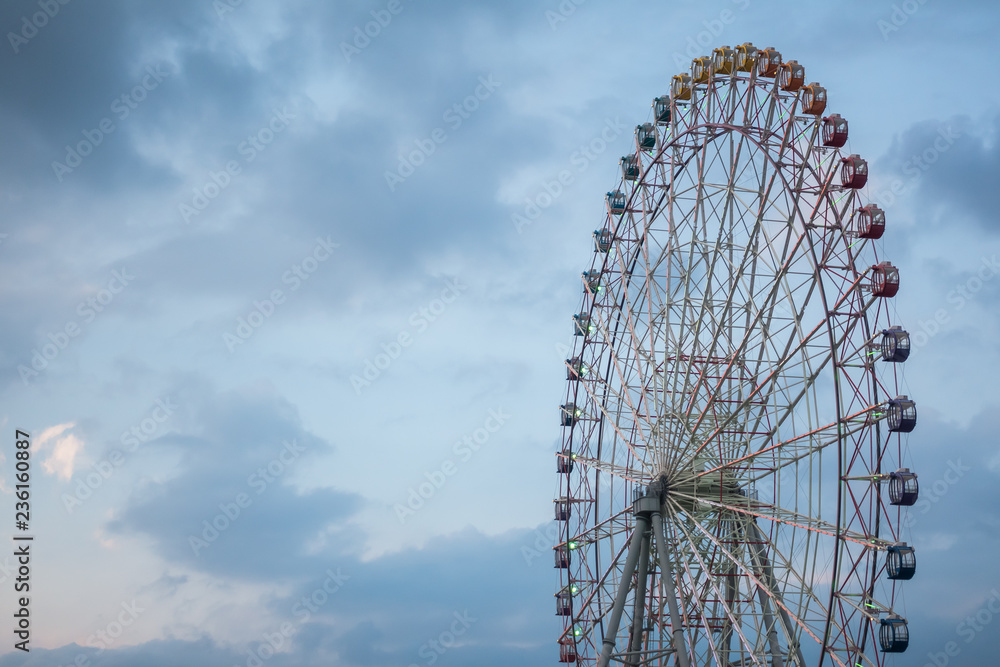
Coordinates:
x,y
592,281
900,562
645,136
902,415
893,635
582,325
630,167
895,345
602,240
903,488
616,202
661,109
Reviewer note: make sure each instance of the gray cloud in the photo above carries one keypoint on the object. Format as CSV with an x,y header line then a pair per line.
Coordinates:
x,y
230,509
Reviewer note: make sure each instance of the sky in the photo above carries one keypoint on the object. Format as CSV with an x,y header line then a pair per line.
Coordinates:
x,y
274,266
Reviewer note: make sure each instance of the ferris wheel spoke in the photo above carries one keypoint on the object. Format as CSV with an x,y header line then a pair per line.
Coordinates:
x,y
625,309
744,404
770,297
761,564
616,423
804,590
613,469
643,365
678,244
587,619
759,580
697,603
787,261
772,385
611,570
800,446
646,389
653,302
860,356
691,219
786,452
623,399
796,448
758,619
613,525
787,356
732,619
755,508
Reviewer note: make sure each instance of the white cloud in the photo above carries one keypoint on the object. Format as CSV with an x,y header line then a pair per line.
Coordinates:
x,y
63,452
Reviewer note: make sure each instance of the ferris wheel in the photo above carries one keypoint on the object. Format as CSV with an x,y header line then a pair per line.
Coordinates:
x,y
733,466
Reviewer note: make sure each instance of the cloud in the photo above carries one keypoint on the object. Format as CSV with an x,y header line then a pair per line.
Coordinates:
x,y
50,433
463,599
949,167
64,451
230,506
60,462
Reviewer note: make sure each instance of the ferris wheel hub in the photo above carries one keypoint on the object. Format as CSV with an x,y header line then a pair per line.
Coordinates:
x,y
646,505
685,490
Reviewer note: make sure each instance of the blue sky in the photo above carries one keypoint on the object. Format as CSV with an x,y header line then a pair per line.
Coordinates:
x,y
266,205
